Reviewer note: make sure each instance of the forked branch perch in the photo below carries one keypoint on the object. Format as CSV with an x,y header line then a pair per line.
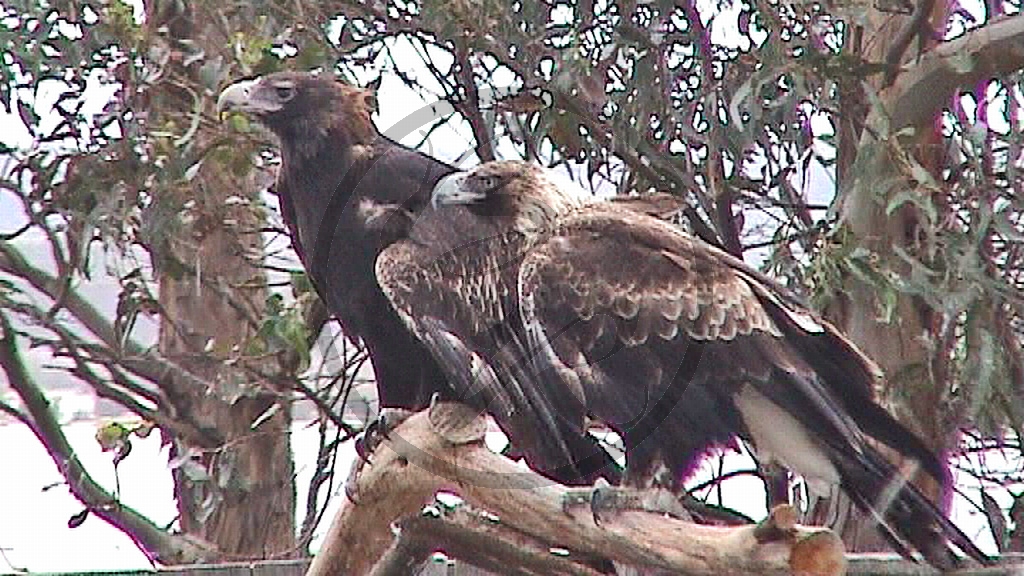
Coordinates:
x,y
443,449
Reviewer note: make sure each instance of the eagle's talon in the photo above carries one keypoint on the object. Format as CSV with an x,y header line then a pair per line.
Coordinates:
x,y
352,492
375,433
379,430
603,498
607,498
362,450
574,497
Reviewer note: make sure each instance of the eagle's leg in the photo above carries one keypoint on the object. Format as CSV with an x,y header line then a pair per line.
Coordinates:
x,y
604,498
377,431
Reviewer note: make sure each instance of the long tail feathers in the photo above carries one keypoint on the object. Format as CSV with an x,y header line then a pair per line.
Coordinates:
x,y
905,516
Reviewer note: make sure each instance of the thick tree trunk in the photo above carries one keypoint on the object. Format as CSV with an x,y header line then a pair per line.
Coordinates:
x,y
902,345
240,497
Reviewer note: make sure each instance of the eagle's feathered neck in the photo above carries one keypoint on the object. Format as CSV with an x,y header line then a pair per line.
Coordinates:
x,y
534,215
309,139
322,160
534,203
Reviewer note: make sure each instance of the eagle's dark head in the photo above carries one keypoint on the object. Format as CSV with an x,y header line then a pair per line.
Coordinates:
x,y
515,193
302,108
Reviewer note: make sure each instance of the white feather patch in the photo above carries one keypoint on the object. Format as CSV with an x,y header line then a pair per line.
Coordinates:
x,y
778,435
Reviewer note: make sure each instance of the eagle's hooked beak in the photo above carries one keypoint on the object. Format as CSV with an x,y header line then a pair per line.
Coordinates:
x,y
452,190
239,96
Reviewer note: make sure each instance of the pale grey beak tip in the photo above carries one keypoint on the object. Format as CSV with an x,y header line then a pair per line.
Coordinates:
x,y
447,190
235,96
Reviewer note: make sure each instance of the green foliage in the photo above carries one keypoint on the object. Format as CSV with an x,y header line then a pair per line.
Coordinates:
x,y
283,330
638,95
116,436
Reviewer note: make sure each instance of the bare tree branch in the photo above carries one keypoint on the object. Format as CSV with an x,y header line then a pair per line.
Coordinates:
x,y
13,262
73,347
144,362
914,27
476,539
442,449
470,106
925,88
182,427
16,414
156,543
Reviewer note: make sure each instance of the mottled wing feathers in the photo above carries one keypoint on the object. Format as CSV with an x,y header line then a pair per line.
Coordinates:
x,y
608,261
764,365
658,205
457,306
609,274
434,310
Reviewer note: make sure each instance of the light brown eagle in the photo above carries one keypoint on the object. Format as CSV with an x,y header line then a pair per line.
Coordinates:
x,y
575,309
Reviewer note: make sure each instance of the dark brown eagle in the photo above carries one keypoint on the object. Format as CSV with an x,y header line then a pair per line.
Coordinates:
x,y
576,309
346,191
336,172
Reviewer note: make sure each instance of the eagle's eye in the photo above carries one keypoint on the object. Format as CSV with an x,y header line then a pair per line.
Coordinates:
x,y
284,92
489,183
